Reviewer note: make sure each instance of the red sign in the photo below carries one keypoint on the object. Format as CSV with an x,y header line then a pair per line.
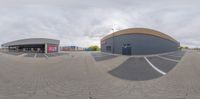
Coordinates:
x,y
52,48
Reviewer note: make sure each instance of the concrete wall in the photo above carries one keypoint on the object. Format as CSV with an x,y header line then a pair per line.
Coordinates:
x,y
141,44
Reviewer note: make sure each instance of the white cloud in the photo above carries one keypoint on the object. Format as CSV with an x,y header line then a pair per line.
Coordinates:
x,y
84,23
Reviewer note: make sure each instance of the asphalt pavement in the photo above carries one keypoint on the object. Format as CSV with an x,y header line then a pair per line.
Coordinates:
x,y
102,56
162,64
77,75
136,69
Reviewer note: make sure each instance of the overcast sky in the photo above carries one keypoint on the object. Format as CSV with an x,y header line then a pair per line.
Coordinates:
x,y
85,22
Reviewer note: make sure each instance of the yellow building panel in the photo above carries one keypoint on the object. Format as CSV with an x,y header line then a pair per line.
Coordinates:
x,y
140,31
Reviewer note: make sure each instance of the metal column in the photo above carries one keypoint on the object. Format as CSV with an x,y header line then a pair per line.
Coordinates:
x,y
46,48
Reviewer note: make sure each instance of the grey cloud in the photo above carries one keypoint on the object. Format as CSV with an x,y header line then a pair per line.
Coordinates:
x,y
85,23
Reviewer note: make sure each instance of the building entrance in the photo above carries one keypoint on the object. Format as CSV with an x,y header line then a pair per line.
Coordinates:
x,y
126,50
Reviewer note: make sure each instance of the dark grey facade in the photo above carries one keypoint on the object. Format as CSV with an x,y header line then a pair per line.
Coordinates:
x,y
138,44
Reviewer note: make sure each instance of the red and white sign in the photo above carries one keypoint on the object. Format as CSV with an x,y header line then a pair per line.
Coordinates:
x,y
52,48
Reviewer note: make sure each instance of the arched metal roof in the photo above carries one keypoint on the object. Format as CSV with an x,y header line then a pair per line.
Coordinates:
x,y
140,31
31,41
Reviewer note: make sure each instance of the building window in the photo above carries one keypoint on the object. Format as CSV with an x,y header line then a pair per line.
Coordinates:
x,y
126,44
108,48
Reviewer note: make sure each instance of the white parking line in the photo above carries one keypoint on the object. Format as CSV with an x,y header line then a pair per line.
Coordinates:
x,y
101,55
45,55
35,55
22,55
168,59
154,67
175,56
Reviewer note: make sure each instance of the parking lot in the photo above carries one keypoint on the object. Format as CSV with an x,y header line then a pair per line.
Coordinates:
x,y
13,53
144,67
95,76
102,56
35,55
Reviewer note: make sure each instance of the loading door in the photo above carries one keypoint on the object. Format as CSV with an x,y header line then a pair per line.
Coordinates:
x,y
126,50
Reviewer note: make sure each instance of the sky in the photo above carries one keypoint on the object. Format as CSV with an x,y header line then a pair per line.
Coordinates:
x,y
85,22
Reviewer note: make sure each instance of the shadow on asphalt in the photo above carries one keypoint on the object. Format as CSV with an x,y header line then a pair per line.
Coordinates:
x,y
101,56
138,69
179,53
135,69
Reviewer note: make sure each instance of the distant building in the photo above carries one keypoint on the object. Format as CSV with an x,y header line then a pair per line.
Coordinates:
x,y
71,48
33,45
138,41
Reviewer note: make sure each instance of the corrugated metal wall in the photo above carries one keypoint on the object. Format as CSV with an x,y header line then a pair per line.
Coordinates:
x,y
141,44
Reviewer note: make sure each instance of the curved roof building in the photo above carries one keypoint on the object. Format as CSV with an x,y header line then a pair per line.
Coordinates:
x,y
33,45
138,41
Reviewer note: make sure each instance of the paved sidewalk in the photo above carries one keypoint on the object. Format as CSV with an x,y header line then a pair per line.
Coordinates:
x,y
79,76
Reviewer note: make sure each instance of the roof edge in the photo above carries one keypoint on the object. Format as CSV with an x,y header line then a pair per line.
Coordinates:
x,y
145,31
7,43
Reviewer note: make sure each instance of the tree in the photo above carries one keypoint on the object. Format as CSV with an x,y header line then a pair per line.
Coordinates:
x,y
94,48
186,47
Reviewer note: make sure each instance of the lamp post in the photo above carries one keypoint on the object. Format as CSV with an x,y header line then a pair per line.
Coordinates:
x,y
113,40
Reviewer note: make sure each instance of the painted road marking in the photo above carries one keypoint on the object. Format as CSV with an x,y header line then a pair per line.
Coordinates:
x,y
101,55
158,70
175,56
168,59
46,56
22,55
35,55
